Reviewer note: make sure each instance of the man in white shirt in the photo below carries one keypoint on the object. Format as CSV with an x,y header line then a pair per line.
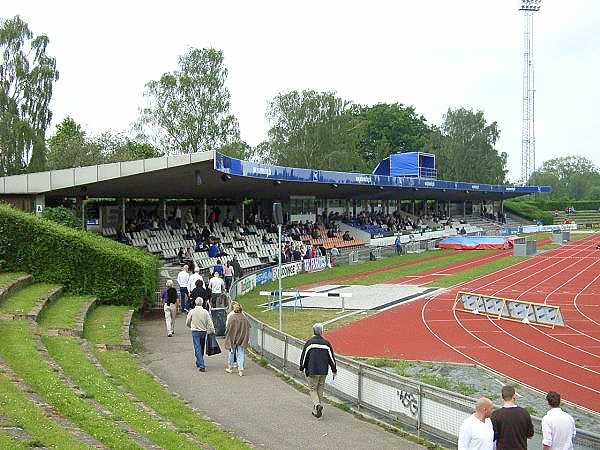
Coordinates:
x,y
192,281
558,427
216,286
183,277
477,432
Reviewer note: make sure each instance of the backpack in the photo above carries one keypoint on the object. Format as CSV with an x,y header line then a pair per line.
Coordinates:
x,y
171,295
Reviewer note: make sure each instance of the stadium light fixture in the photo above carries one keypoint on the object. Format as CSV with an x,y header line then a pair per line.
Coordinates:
x,y
334,185
380,188
225,177
276,183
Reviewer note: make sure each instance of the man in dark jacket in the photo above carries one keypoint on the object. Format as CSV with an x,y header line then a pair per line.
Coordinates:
x,y
316,359
512,424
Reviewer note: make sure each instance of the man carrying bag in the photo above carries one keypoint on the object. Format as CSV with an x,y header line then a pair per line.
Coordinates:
x,y
198,319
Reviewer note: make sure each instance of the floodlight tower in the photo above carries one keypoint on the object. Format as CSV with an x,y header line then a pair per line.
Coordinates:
x,y
529,8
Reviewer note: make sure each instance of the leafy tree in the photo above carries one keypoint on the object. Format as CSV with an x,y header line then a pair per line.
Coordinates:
x,y
389,128
27,75
465,150
571,177
117,147
237,149
312,129
188,110
68,147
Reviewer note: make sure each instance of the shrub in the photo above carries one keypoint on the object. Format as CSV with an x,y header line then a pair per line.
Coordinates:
x,y
63,216
83,262
529,210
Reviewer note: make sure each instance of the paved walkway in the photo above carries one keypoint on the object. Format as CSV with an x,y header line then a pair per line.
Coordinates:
x,y
257,407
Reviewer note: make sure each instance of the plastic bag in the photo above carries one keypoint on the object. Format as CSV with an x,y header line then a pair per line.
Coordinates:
x,y
212,346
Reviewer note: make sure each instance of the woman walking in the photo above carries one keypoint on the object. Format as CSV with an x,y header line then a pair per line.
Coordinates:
x,y
237,334
229,273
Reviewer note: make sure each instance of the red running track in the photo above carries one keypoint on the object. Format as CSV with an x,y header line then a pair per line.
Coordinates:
x,y
565,359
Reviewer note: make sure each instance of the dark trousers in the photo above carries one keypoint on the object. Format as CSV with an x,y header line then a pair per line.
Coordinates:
x,y
199,338
228,281
185,298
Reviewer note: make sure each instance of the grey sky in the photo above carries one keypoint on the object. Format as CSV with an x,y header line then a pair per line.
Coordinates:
x,y
431,54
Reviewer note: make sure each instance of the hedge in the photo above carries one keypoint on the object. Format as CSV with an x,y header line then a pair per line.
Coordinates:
x,y
82,262
529,210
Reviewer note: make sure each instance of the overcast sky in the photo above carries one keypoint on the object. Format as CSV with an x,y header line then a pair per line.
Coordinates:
x,y
431,54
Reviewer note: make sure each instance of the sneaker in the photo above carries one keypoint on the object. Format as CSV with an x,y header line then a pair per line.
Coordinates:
x,y
228,370
170,335
241,373
319,411
202,369
234,364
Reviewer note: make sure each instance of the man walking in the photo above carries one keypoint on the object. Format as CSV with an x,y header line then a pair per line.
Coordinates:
x,y
477,432
183,277
316,359
398,245
198,319
169,299
216,286
512,424
191,285
558,427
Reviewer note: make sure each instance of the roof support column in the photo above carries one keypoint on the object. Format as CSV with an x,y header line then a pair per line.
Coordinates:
x,y
347,208
204,212
243,213
387,207
354,208
413,206
464,209
123,214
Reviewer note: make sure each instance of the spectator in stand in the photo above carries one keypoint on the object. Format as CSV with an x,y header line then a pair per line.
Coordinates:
x,y
558,427
316,359
463,231
237,268
228,274
181,255
346,236
216,286
237,334
205,234
200,322
183,278
169,299
213,251
334,251
193,278
477,432
512,424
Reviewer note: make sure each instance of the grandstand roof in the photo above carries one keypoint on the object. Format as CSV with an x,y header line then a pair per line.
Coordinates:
x,y
213,175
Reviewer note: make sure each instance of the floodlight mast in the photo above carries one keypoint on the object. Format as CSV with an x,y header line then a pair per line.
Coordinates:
x,y
529,7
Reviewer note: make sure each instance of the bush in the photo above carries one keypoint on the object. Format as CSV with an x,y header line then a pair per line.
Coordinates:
x,y
63,216
82,262
529,210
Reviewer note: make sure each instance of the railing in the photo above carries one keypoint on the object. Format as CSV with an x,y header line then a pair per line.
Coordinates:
x,y
425,409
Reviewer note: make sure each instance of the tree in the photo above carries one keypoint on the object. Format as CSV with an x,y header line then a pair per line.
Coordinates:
x,y
68,147
465,150
116,147
27,76
188,110
571,177
314,130
237,149
389,128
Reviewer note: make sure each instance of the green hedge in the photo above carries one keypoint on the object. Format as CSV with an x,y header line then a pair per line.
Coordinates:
x,y
82,262
529,210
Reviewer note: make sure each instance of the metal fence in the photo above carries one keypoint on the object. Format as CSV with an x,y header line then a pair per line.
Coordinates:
x,y
426,409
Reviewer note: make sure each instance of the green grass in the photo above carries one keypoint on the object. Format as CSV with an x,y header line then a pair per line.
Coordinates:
x,y
9,443
67,352
103,325
62,313
125,369
475,272
7,277
25,299
23,413
422,372
19,351
414,269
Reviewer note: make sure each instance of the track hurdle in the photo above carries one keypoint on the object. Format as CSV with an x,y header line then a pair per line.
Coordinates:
x,y
504,308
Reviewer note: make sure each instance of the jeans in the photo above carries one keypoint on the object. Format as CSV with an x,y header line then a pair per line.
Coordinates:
x,y
238,353
185,296
199,338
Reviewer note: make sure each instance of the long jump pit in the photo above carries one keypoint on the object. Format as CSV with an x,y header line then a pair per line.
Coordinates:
x,y
377,297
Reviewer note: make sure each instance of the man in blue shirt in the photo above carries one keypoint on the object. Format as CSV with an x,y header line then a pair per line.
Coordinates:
x,y
398,244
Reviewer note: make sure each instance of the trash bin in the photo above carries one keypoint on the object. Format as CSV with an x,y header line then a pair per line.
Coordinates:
x,y
219,318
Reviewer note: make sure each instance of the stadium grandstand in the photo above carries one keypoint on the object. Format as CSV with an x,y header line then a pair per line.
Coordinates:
x,y
207,206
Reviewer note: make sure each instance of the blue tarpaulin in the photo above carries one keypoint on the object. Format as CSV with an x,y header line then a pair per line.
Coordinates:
x,y
409,164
